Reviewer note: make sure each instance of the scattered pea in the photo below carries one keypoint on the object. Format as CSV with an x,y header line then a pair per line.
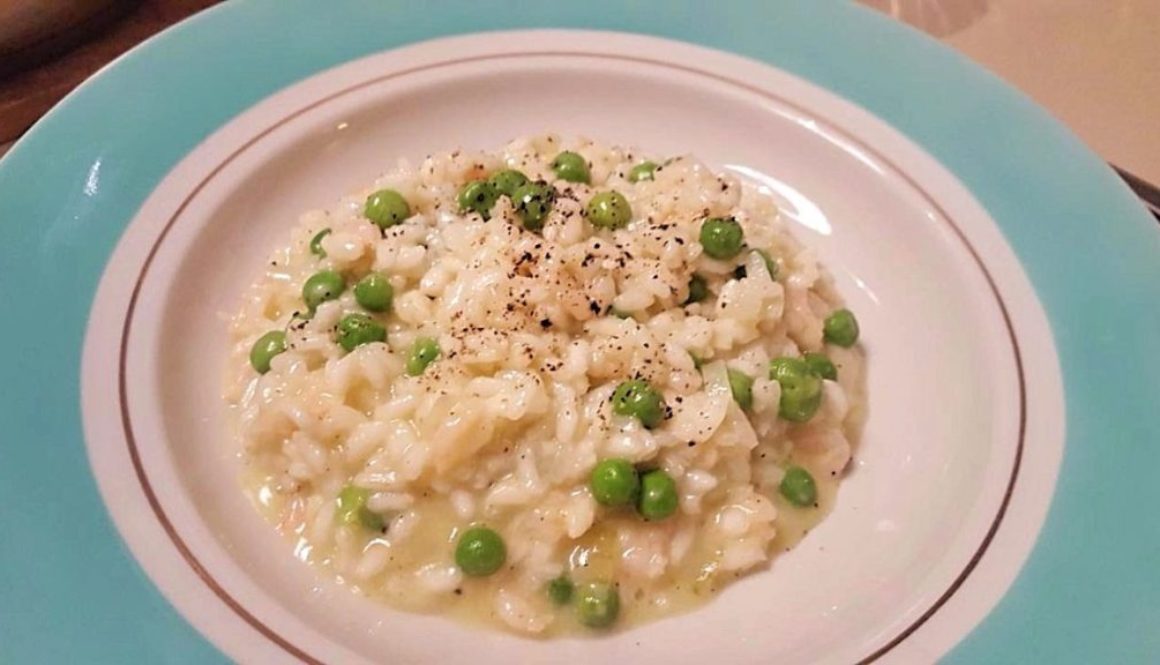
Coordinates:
x,y
480,552
642,171
741,385
801,389
782,366
698,289
374,292
658,495
533,202
608,210
264,350
638,399
821,365
560,590
721,237
597,604
614,482
354,330
800,398
352,509
841,328
423,352
316,243
798,487
322,286
386,208
571,167
507,181
478,196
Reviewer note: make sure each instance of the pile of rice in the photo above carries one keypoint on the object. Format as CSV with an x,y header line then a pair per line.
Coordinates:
x,y
506,426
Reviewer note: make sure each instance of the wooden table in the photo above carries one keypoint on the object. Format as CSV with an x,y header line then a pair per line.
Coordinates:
x,y
26,96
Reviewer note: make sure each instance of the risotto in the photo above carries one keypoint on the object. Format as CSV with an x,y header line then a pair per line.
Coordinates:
x,y
554,388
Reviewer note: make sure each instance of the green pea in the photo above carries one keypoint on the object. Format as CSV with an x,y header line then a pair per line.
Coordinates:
x,y
352,509
597,604
264,350
478,196
507,181
609,210
374,292
316,243
614,482
841,328
698,289
801,389
642,171
354,330
322,286
571,167
658,495
821,365
533,202
798,487
721,237
423,352
480,552
786,366
620,314
770,264
638,399
560,590
386,208
741,385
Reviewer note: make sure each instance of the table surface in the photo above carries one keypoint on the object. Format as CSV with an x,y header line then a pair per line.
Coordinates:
x,y
1095,64
84,45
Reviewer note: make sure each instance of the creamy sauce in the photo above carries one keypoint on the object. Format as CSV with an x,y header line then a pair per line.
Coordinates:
x,y
592,557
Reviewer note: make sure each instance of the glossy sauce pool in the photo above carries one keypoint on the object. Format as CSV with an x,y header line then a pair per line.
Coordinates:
x,y
592,557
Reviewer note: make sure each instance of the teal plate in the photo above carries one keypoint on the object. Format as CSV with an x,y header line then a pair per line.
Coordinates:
x,y
70,591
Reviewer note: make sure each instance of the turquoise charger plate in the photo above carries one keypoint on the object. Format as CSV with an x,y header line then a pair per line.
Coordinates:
x,y
71,592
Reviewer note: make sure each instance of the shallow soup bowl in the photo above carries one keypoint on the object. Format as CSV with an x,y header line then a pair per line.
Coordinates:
x,y
962,373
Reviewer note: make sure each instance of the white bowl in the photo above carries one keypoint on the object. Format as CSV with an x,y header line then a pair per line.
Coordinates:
x,y
965,395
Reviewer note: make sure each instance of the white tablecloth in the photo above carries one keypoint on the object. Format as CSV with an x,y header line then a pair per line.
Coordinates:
x,y
1095,64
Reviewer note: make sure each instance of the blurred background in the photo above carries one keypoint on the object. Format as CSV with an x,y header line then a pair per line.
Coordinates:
x,y
1095,64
